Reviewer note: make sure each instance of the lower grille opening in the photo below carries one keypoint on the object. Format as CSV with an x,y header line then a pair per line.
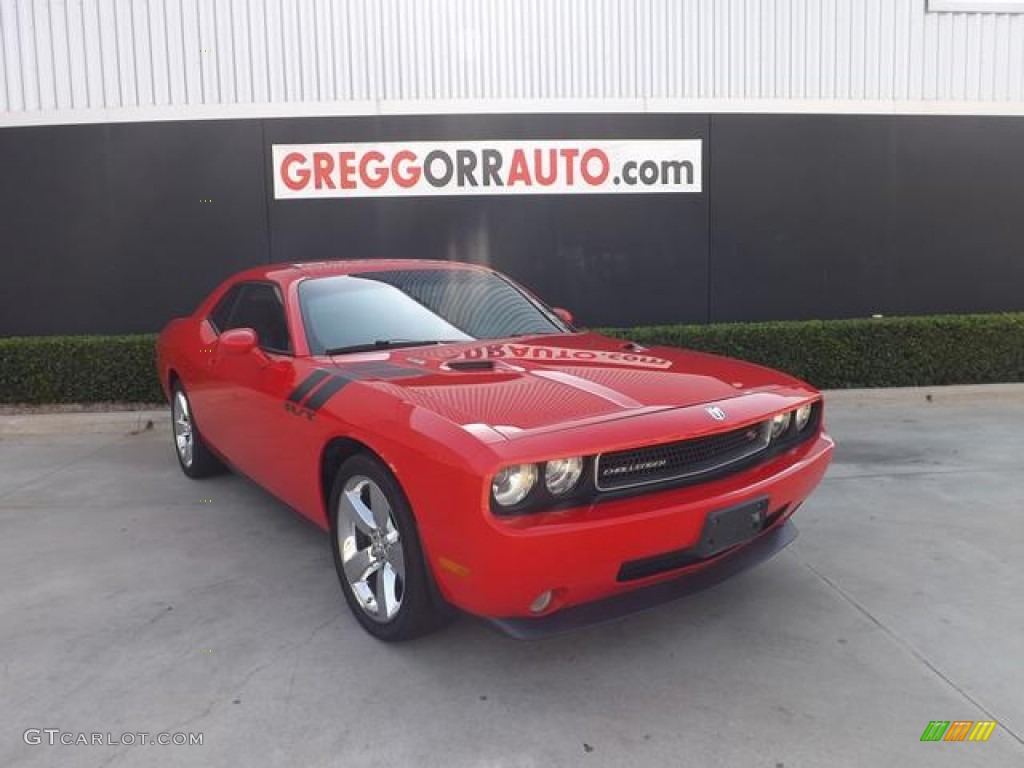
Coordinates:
x,y
634,570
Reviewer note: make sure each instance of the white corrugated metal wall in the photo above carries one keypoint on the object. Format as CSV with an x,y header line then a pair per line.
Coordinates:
x,y
66,58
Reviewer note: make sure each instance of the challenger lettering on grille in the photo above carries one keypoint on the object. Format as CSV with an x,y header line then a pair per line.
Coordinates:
x,y
627,468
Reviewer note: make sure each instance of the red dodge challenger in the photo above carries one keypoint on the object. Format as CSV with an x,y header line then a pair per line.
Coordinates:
x,y
466,446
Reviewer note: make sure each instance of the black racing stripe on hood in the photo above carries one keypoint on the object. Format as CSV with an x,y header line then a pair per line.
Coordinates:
x,y
380,370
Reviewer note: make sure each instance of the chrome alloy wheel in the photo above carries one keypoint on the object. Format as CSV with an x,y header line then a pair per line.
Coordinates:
x,y
183,438
371,549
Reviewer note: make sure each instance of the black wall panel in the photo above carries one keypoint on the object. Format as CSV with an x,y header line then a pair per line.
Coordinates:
x,y
57,228
611,259
103,227
845,216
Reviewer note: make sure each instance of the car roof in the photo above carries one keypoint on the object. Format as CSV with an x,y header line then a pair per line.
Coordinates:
x,y
287,272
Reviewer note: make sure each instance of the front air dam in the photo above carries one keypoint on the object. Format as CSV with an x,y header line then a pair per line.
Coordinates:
x,y
616,607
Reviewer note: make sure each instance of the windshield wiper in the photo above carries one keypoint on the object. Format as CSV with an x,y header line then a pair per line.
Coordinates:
x,y
388,344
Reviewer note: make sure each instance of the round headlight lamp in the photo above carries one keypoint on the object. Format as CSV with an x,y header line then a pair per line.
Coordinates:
x,y
780,423
511,484
802,417
561,475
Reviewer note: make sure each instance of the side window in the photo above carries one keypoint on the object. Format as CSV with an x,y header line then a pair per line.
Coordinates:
x,y
259,307
221,313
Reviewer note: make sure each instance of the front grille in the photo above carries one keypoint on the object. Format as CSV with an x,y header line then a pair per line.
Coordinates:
x,y
673,461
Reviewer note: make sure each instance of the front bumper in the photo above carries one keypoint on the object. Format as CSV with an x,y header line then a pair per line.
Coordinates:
x,y
496,568
719,569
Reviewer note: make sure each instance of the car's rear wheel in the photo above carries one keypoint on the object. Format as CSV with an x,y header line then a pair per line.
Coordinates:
x,y
377,554
195,458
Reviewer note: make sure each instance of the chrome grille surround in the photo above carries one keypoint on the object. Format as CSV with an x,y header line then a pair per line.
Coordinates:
x,y
666,462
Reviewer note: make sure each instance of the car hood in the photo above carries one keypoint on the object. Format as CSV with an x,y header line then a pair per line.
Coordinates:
x,y
529,384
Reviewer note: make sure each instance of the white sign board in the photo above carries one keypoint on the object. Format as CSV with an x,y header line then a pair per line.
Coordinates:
x,y
421,169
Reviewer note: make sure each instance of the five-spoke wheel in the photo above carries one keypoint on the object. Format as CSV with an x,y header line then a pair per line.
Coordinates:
x,y
377,553
182,428
195,458
371,548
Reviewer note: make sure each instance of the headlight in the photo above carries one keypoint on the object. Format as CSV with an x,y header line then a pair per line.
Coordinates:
x,y
511,484
780,423
561,475
802,417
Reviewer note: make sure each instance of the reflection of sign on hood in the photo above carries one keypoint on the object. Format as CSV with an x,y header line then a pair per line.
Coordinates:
x,y
562,355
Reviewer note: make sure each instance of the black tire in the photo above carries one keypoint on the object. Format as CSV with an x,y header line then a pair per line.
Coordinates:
x,y
419,608
196,460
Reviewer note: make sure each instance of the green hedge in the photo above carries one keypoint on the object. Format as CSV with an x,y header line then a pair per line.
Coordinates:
x,y
79,369
883,352
832,354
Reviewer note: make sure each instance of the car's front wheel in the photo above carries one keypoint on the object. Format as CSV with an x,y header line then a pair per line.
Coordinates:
x,y
377,553
195,458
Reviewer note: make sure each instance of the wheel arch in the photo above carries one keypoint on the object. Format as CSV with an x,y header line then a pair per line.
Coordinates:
x,y
335,452
333,455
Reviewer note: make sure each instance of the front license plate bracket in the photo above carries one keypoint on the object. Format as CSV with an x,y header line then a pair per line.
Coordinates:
x,y
725,528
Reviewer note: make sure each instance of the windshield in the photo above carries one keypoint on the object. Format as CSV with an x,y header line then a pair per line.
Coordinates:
x,y
347,313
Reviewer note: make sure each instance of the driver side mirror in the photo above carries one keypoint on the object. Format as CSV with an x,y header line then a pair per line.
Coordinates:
x,y
238,341
563,314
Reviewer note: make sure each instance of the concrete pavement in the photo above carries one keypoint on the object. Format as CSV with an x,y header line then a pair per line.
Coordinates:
x,y
133,599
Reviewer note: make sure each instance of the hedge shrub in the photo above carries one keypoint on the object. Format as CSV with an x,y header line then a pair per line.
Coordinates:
x,y
883,352
79,369
831,354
